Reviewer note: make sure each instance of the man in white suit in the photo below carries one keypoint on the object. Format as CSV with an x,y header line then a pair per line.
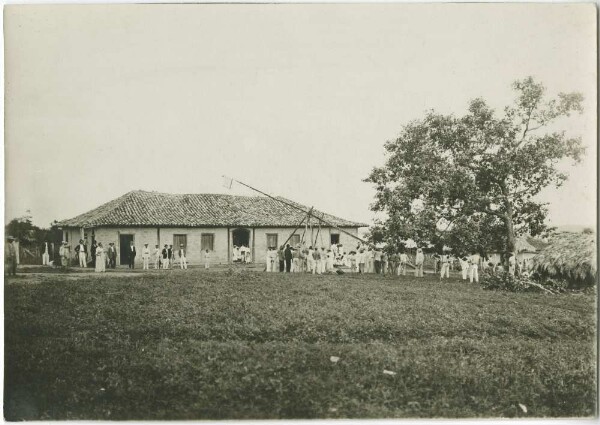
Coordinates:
x,y
182,259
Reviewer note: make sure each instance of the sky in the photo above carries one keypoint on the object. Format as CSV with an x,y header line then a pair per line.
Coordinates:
x,y
296,100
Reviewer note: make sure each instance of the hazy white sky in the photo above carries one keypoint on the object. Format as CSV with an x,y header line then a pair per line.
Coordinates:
x,y
294,99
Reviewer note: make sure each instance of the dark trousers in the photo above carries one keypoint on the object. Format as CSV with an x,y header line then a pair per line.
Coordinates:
x,y
377,266
288,265
112,262
281,265
131,262
11,265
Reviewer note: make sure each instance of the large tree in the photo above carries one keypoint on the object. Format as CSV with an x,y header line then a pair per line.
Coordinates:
x,y
472,180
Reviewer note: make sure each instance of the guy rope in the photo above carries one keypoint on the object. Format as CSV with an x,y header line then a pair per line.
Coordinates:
x,y
308,213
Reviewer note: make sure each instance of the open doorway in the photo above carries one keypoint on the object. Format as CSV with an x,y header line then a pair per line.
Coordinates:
x,y
124,244
241,237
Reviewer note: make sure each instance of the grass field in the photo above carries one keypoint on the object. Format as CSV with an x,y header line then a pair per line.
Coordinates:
x,y
238,344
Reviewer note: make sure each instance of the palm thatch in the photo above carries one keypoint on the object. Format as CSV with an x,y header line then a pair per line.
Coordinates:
x,y
570,256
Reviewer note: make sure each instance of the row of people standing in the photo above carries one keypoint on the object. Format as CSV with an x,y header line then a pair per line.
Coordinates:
x,y
101,258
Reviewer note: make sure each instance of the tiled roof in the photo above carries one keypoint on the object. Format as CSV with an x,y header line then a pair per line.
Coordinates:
x,y
141,208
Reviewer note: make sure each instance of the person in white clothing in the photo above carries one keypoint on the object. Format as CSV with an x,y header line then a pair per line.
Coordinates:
x,y
511,263
268,260
359,258
403,263
182,259
329,263
445,269
145,257
369,261
474,265
156,257
81,250
419,260
46,255
100,264
207,259
273,259
464,266
310,260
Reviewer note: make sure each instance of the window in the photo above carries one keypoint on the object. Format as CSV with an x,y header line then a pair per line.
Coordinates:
x,y
295,240
272,240
207,242
178,240
335,238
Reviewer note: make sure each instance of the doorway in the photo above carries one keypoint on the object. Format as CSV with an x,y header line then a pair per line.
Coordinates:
x,y
241,237
124,243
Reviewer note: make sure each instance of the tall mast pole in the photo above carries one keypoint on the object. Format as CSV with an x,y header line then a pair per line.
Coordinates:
x,y
299,209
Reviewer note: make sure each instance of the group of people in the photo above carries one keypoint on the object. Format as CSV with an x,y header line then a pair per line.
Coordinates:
x,y
241,254
370,259
102,258
298,259
317,260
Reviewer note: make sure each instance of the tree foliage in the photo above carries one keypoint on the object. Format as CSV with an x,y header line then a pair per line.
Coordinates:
x,y
28,234
471,181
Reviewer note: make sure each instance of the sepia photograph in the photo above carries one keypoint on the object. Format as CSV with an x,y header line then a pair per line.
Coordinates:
x,y
257,211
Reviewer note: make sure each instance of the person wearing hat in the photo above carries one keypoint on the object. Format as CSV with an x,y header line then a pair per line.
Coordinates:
x,y
81,250
145,257
11,256
171,256
132,255
445,265
165,257
64,254
474,259
287,258
182,260
112,255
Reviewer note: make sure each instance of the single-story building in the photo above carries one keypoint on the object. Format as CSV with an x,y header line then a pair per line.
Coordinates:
x,y
204,221
526,247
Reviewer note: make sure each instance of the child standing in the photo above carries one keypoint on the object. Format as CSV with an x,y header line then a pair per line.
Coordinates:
x,y
207,259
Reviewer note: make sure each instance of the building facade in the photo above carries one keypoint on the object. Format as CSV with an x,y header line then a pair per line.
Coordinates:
x,y
206,221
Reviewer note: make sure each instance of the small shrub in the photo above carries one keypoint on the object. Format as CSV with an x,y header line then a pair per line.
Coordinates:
x,y
507,282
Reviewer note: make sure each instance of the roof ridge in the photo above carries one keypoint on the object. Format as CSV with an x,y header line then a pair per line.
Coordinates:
x,y
156,192
141,207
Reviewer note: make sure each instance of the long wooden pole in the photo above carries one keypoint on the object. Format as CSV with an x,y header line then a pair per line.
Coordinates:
x,y
299,209
295,230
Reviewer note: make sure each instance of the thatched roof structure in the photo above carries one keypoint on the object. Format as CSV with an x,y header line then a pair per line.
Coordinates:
x,y
570,256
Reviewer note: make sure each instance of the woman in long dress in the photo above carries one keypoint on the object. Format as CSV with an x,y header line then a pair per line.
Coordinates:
x,y
100,265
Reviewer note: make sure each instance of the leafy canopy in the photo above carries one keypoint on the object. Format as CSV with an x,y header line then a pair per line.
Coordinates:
x,y
471,181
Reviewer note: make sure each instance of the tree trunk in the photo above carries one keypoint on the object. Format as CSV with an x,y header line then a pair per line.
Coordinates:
x,y
511,241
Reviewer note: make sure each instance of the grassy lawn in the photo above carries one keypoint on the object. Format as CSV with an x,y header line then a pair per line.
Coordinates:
x,y
206,345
